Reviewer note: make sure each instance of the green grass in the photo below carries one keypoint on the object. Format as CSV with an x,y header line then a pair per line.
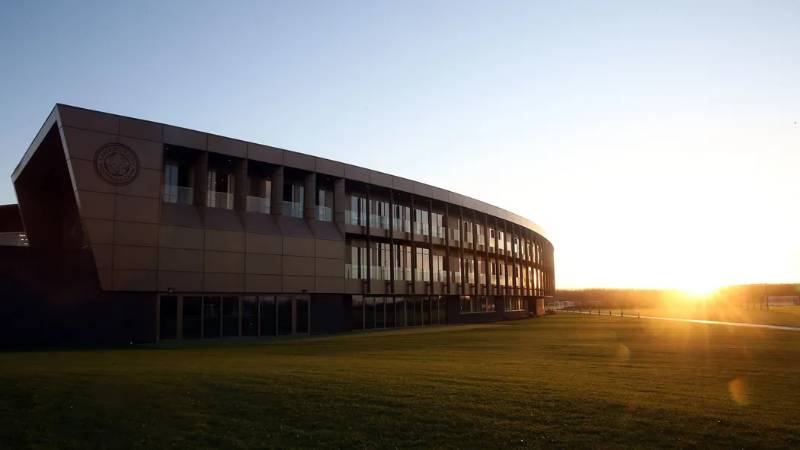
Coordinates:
x,y
562,381
775,315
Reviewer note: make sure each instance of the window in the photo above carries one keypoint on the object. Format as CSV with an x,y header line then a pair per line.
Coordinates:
x,y
402,266
437,225
516,304
455,269
357,212
455,230
421,222
293,199
220,189
260,195
324,205
402,218
479,232
469,266
467,227
177,184
481,271
423,269
380,261
476,304
356,264
439,274
379,214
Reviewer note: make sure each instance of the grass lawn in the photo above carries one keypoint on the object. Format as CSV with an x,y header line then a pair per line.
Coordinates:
x,y
776,315
563,380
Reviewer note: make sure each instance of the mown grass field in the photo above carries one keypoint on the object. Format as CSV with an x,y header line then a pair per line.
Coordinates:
x,y
775,315
557,381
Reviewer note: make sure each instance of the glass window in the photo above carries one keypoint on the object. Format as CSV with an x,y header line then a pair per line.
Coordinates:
x,y
400,311
515,304
250,316
324,205
168,317
220,188
390,313
438,272
177,184
267,315
402,266
381,260
369,313
357,212
423,272
380,312
192,317
284,314
302,307
358,312
421,222
212,317
230,316
356,260
379,214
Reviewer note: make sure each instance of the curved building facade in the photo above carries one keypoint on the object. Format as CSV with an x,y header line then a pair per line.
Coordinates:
x,y
142,231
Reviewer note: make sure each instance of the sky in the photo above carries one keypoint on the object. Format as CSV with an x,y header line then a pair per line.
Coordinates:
x,y
658,143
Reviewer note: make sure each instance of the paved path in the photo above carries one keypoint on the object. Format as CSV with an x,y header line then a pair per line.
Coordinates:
x,y
708,322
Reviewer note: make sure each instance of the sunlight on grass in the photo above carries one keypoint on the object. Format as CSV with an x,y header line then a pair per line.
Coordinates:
x,y
564,381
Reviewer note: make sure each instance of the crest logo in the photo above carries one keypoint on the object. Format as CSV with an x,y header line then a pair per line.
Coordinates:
x,y
116,163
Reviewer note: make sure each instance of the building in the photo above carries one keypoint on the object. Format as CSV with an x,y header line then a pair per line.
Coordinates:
x,y
132,230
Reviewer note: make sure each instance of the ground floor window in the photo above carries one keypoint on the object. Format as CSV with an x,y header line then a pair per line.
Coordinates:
x,y
380,312
516,304
168,317
476,304
196,316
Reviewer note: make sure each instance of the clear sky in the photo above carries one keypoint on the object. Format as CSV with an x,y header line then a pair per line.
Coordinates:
x,y
657,142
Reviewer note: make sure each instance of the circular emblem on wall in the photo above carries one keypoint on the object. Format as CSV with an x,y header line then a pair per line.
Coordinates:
x,y
116,163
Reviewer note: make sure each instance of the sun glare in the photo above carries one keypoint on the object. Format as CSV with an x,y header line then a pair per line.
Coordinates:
x,y
699,290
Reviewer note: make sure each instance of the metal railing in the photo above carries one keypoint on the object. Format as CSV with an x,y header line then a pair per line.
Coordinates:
x,y
258,204
223,200
14,239
292,209
324,213
182,195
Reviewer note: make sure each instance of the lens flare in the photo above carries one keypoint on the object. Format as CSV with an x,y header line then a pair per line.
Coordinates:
x,y
738,390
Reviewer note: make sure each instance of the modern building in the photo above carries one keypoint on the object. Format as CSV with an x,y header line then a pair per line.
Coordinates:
x,y
130,230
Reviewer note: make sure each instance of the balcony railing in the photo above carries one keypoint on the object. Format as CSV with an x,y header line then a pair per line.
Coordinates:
x,y
258,204
14,239
182,195
379,221
293,209
402,274
324,213
354,218
351,271
223,200
379,273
